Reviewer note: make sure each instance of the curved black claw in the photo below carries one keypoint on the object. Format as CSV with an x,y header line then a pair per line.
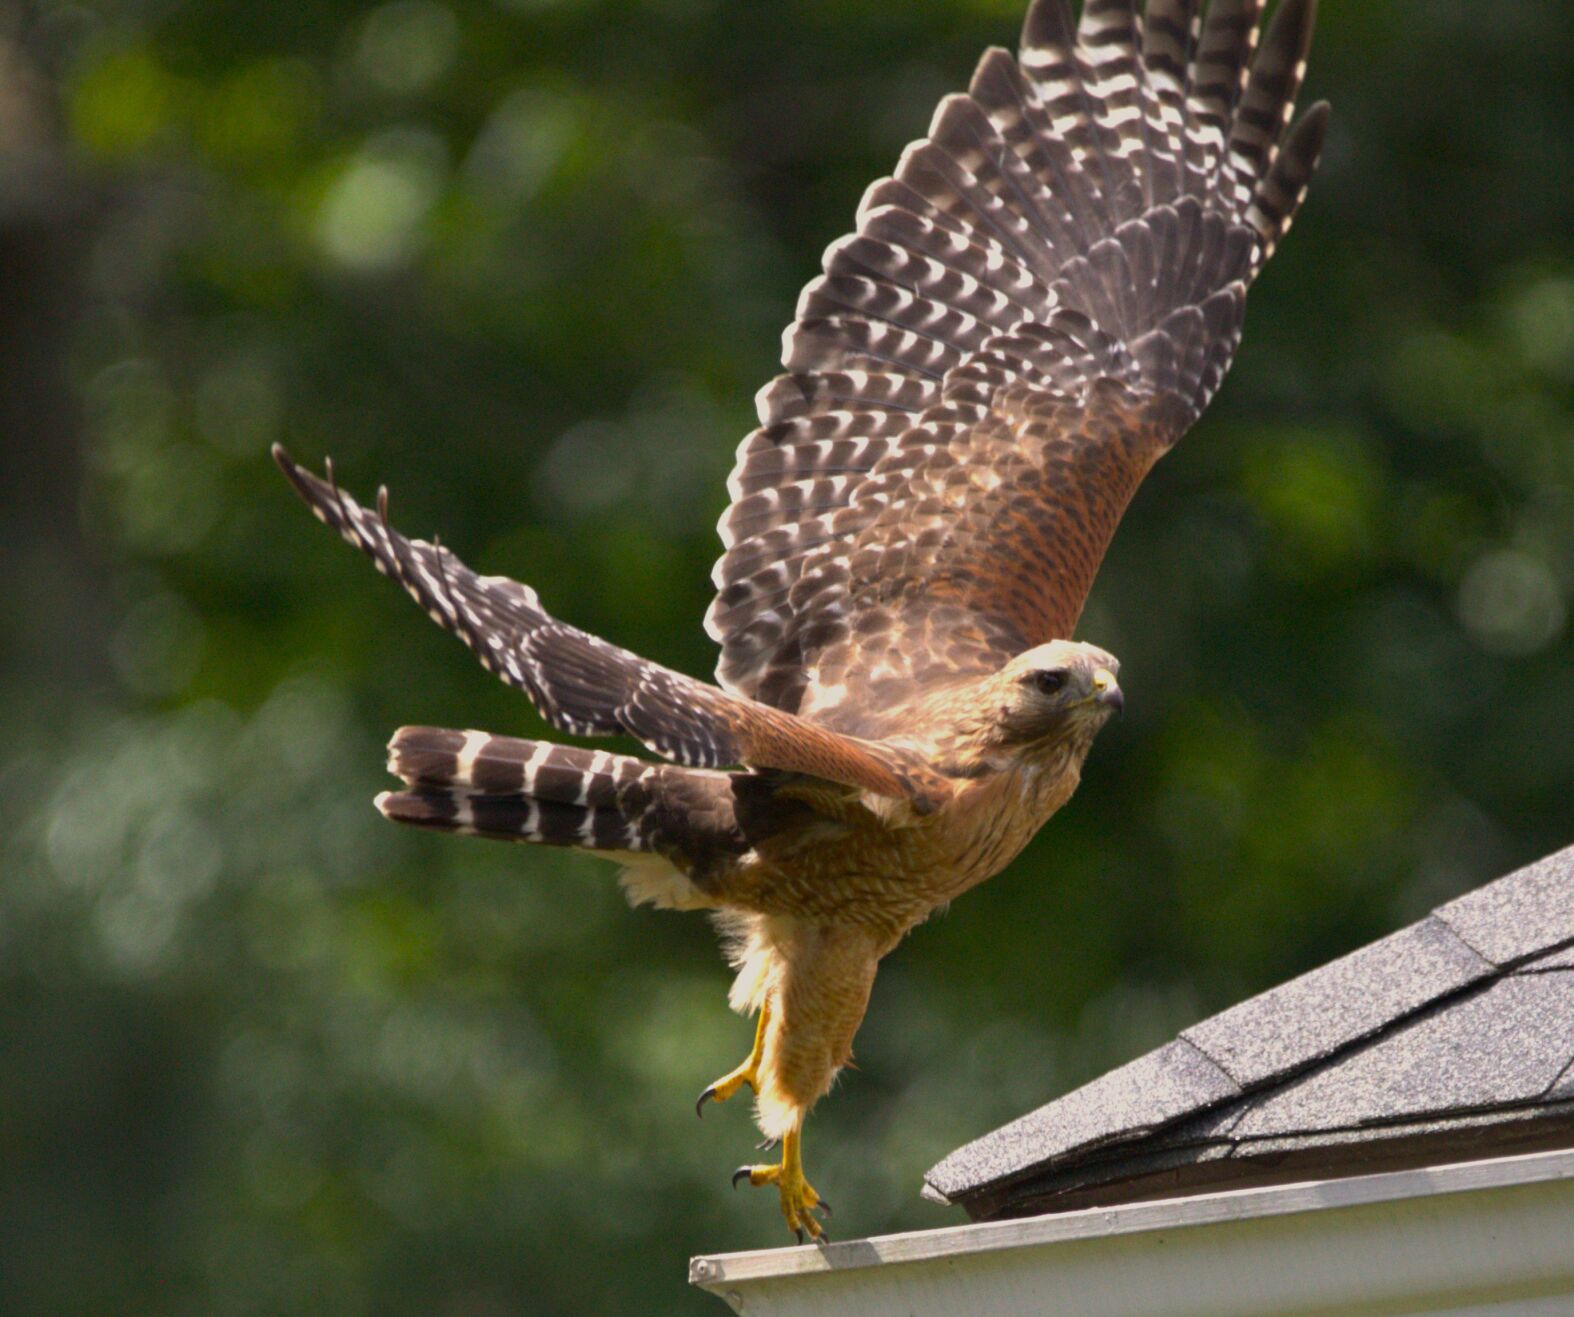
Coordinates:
x,y
742,1173
799,1233
699,1103
825,1207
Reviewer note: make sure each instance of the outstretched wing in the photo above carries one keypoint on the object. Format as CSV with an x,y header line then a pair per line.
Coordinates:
x,y
585,686
1033,309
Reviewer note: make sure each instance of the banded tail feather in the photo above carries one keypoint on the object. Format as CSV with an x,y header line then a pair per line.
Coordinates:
x,y
675,827
515,790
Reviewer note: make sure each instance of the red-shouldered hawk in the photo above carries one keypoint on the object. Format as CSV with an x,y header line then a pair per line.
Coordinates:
x,y
1033,309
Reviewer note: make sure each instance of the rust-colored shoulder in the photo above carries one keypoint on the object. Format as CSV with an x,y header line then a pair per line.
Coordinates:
x,y
998,551
771,738
1027,557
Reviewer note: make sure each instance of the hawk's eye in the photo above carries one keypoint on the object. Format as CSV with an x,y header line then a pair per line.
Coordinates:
x,y
1049,681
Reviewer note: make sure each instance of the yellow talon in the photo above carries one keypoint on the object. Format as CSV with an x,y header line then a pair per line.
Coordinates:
x,y
799,1199
747,1073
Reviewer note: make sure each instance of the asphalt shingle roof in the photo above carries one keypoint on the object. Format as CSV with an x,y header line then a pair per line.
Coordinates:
x,y
1453,1033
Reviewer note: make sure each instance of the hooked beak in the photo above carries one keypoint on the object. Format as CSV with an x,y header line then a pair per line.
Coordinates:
x,y
1106,691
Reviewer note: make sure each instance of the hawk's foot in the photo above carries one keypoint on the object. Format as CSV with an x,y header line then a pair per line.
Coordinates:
x,y
747,1073
799,1200
728,1085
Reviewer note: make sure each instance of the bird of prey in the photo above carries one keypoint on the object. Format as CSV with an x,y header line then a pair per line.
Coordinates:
x,y
1034,307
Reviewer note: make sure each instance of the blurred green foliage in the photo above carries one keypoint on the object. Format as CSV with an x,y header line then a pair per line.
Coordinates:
x,y
526,261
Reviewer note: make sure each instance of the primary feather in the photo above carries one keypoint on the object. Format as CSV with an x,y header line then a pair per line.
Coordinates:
x,y
1065,257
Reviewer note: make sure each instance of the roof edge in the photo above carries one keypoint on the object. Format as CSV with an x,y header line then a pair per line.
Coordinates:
x,y
1417,1227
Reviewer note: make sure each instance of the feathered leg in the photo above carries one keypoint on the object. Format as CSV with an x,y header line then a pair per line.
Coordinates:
x,y
810,983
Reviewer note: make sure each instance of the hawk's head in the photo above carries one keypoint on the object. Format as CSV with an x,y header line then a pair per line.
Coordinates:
x,y
1059,690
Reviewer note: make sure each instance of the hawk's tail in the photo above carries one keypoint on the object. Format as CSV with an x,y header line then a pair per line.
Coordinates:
x,y
513,790
558,795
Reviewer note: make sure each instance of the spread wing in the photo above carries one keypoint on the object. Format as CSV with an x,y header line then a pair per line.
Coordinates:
x,y
584,685
1034,307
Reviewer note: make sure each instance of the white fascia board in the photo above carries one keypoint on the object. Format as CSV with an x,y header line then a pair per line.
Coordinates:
x,y
1478,1236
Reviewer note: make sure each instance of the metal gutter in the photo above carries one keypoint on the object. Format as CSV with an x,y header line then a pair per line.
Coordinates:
x,y
1472,1237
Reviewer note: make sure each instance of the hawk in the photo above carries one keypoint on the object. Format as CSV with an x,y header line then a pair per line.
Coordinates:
x,y
1033,308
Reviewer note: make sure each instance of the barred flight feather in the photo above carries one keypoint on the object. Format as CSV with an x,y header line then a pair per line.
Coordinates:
x,y
583,685
1082,224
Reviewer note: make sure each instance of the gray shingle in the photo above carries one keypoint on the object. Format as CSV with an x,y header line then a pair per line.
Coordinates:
x,y
1560,959
1306,1019
1167,1164
1563,1086
1517,916
1468,1130
1133,1100
1504,1045
1426,1025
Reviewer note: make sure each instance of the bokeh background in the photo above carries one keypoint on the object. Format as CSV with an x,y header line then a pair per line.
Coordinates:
x,y
527,261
